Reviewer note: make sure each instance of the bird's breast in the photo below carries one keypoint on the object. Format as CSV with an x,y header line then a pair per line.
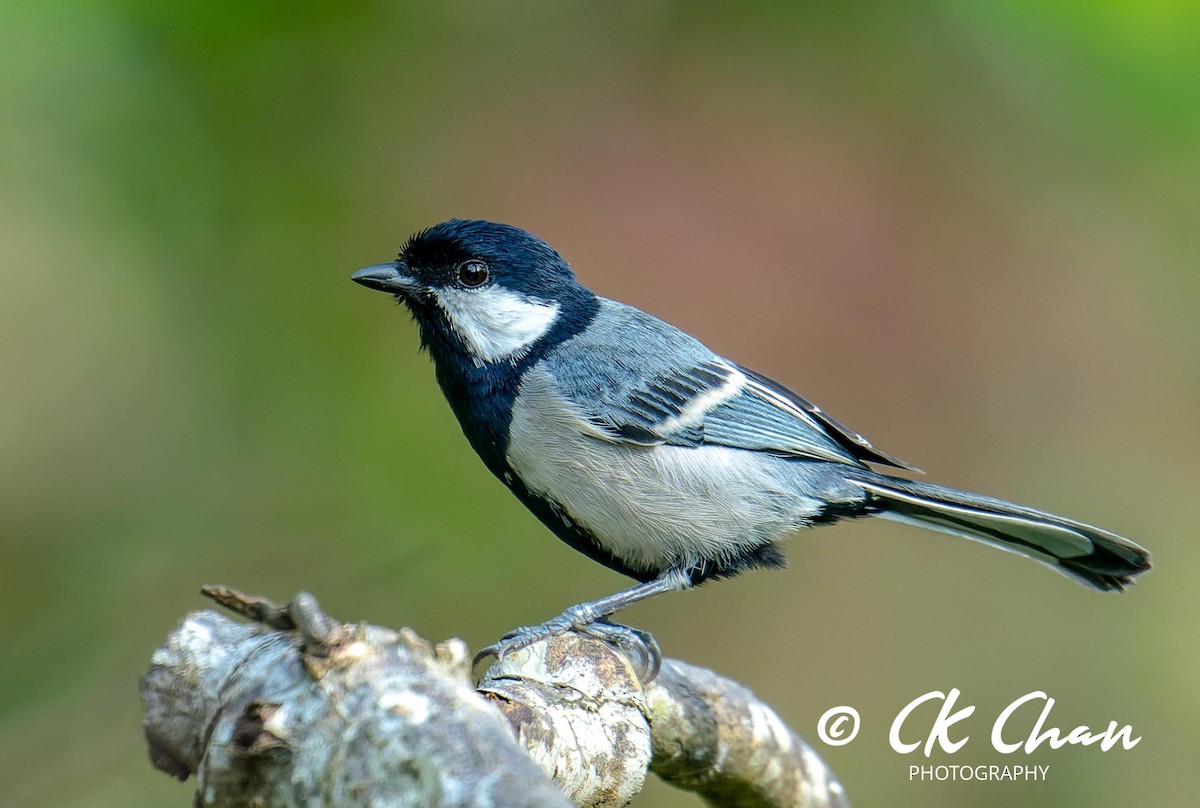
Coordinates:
x,y
655,507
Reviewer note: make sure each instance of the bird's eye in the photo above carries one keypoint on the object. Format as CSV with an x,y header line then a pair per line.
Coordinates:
x,y
473,274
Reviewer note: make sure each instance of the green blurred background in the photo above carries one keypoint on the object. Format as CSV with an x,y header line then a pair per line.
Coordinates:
x,y
969,230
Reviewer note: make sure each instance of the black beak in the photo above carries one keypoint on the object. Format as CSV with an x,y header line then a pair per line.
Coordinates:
x,y
386,278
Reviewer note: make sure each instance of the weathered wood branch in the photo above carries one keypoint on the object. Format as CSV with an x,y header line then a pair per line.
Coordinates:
x,y
298,709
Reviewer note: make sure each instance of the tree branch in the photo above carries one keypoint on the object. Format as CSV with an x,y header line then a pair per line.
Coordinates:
x,y
299,709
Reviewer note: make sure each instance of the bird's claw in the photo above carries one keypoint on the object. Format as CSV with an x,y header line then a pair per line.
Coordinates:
x,y
638,646
522,637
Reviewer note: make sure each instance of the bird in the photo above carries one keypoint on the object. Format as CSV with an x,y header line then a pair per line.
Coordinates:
x,y
652,454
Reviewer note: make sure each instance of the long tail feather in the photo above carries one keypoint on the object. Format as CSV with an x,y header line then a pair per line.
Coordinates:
x,y
1092,556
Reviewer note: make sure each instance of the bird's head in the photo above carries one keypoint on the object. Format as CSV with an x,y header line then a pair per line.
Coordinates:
x,y
484,291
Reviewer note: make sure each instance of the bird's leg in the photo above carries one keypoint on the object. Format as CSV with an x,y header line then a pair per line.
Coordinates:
x,y
591,618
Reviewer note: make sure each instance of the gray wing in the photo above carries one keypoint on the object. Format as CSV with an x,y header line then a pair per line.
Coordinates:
x,y
722,404
786,401
645,382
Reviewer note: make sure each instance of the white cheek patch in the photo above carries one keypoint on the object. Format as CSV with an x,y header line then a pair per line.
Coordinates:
x,y
495,323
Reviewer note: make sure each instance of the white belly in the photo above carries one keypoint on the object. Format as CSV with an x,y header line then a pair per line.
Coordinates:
x,y
654,507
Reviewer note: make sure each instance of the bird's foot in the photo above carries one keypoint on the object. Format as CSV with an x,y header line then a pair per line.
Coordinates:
x,y
638,646
523,637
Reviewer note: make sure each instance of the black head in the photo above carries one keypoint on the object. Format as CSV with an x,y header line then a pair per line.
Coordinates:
x,y
483,292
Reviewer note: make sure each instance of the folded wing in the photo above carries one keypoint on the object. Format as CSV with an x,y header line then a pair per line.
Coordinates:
x,y
716,402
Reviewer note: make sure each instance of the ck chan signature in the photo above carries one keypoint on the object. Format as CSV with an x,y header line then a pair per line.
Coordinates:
x,y
1010,733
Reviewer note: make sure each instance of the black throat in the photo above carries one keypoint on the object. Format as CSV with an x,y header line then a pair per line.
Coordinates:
x,y
482,396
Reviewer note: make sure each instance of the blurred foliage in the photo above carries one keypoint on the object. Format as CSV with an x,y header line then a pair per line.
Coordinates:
x,y
968,229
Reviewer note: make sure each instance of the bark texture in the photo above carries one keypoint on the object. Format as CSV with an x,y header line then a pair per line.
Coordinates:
x,y
297,709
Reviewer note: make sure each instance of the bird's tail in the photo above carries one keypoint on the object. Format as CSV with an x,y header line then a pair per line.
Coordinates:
x,y
1091,556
